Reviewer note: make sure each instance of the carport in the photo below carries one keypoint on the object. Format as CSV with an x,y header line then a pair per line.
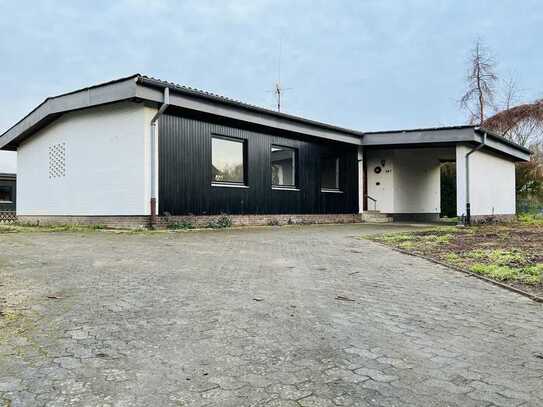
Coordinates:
x,y
400,173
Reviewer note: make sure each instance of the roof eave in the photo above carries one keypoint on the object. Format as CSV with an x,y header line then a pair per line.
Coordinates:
x,y
152,90
138,87
446,136
53,107
231,102
502,139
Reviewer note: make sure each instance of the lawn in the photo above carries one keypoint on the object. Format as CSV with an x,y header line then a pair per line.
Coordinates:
x,y
509,253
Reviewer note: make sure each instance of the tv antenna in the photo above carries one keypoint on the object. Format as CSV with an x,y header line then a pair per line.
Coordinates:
x,y
278,91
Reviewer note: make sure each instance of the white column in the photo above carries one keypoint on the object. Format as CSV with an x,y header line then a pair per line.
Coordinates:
x,y
360,179
461,152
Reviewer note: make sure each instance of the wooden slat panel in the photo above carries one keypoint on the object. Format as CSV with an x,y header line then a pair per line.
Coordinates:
x,y
185,170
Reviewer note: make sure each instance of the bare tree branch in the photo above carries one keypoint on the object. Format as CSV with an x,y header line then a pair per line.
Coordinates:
x,y
481,84
510,94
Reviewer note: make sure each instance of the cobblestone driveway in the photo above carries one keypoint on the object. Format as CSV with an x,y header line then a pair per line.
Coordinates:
x,y
251,317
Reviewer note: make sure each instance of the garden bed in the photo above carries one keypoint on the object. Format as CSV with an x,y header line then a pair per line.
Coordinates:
x,y
510,254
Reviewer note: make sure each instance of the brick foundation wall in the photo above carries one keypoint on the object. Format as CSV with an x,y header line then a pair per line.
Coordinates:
x,y
132,222
489,219
115,222
136,222
258,220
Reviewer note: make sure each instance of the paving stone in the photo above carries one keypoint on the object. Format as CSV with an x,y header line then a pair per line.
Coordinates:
x,y
282,403
288,392
9,384
171,319
313,401
374,374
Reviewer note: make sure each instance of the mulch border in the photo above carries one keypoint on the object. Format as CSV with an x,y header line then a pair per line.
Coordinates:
x,y
531,296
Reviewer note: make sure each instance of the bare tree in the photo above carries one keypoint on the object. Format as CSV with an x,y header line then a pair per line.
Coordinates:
x,y
481,80
521,123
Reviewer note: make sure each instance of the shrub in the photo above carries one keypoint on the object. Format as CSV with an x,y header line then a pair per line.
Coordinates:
x,y
273,222
183,224
531,218
223,221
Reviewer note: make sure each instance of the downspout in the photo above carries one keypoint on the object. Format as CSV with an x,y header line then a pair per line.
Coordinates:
x,y
154,151
468,203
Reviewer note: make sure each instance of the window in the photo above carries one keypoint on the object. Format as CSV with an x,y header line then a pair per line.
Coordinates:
x,y
6,193
228,160
330,173
283,166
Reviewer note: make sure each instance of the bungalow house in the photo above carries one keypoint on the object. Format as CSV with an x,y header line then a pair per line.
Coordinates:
x,y
139,150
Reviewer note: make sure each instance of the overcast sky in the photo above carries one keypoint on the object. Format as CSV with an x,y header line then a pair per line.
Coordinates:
x,y
367,65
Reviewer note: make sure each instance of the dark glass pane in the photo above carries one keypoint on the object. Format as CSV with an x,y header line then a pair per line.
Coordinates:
x,y
330,173
283,166
5,194
227,160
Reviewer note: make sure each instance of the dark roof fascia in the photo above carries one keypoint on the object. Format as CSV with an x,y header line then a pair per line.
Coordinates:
x,y
7,175
502,139
52,107
189,98
141,88
509,149
471,135
458,127
419,136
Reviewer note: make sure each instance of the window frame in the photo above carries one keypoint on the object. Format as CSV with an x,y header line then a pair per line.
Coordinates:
x,y
289,187
11,194
232,184
338,175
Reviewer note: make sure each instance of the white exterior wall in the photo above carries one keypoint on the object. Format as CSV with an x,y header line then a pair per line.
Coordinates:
x,y
107,164
410,180
492,183
8,162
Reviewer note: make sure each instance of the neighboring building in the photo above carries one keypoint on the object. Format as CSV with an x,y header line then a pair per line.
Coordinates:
x,y
8,181
94,155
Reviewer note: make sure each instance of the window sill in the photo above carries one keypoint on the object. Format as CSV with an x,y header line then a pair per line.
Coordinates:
x,y
6,202
226,185
331,191
280,188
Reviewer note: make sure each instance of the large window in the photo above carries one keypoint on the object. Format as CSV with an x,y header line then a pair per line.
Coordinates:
x,y
6,193
283,166
228,161
330,173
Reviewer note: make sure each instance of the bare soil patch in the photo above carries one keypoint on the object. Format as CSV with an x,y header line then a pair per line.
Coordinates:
x,y
511,253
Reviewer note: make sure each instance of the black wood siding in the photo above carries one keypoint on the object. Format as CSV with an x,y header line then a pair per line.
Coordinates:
x,y
185,171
